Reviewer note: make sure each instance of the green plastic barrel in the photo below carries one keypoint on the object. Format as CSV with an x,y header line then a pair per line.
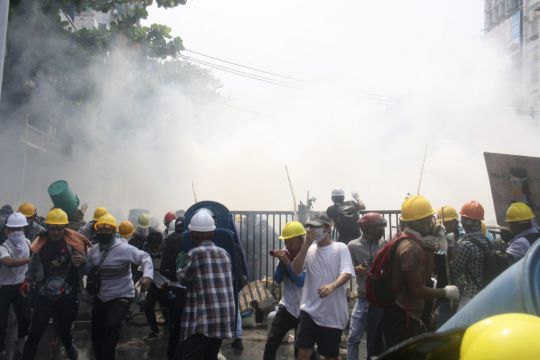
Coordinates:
x,y
63,197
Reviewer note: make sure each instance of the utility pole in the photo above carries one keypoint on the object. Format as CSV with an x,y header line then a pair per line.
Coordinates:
x,y
4,10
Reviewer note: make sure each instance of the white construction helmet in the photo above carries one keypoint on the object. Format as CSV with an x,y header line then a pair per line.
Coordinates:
x,y
16,220
338,192
202,222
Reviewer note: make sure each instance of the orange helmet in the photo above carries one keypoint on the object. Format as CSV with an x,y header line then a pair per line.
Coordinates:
x,y
473,210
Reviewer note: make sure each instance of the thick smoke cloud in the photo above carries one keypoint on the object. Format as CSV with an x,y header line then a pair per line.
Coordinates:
x,y
444,86
140,140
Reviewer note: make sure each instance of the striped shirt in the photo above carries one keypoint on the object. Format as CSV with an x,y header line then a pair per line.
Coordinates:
x,y
210,309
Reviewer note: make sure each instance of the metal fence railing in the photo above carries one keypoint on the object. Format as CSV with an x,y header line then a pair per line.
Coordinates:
x,y
259,233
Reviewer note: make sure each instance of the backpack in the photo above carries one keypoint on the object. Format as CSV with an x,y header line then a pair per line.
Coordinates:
x,y
379,289
491,267
347,213
532,237
173,246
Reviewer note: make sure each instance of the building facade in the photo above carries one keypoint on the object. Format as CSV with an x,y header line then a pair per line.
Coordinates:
x,y
513,25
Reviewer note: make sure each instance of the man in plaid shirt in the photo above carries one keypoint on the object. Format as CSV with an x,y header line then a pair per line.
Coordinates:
x,y
468,266
209,312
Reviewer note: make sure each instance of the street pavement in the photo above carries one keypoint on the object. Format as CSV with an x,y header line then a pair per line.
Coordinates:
x,y
132,347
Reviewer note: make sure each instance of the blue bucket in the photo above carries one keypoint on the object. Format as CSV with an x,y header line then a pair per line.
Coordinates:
x,y
517,290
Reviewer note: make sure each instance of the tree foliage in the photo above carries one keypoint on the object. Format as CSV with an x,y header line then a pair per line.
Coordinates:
x,y
49,71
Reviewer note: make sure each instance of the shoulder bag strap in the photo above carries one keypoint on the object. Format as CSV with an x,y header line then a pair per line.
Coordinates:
x,y
104,256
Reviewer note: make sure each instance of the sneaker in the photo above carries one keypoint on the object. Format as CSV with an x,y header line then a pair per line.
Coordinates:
x,y
20,344
72,353
237,344
151,336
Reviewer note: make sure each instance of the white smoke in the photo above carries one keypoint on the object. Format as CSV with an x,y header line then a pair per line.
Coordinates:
x,y
152,138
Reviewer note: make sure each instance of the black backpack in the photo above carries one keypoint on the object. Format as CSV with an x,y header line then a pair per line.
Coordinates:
x,y
490,267
347,213
173,246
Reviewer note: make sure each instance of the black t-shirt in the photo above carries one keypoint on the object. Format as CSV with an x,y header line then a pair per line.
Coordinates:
x,y
345,216
60,277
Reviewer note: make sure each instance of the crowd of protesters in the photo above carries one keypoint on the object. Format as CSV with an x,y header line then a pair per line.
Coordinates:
x,y
433,264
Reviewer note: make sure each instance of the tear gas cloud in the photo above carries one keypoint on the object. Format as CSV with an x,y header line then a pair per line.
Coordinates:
x,y
150,138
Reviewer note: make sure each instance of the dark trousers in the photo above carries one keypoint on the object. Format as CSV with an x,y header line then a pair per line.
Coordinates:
x,y
177,299
63,311
154,296
398,326
200,347
9,295
375,334
283,322
107,319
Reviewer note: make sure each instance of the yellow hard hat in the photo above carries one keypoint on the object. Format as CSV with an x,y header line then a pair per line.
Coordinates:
x,y
519,211
507,336
27,209
56,217
447,213
291,230
415,208
144,220
99,212
126,229
106,219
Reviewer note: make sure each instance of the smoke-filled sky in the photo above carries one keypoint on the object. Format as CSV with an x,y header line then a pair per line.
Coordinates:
x,y
443,85
380,81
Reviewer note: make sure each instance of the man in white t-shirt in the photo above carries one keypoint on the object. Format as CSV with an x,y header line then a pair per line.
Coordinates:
x,y
323,306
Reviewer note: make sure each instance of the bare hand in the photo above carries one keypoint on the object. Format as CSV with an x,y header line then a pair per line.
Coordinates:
x,y
325,290
77,259
360,269
24,289
283,258
145,283
311,236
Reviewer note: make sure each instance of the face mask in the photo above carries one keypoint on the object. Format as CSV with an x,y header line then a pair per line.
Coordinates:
x,y
319,234
16,237
104,238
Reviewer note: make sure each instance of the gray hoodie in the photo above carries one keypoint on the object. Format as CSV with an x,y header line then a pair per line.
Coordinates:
x,y
363,252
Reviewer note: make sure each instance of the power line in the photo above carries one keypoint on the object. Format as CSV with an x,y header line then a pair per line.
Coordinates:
x,y
244,66
241,73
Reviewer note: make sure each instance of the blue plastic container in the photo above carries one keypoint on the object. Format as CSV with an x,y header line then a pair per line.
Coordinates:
x,y
517,290
222,215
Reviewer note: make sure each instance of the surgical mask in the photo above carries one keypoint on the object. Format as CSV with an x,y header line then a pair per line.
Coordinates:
x,y
320,234
104,238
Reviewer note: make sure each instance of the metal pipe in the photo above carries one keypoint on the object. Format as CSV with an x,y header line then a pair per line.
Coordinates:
x,y
4,12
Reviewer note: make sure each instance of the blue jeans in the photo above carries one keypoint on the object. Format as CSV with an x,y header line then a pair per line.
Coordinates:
x,y
238,330
357,327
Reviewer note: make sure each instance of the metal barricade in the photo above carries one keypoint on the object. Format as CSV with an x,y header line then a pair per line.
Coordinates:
x,y
259,233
